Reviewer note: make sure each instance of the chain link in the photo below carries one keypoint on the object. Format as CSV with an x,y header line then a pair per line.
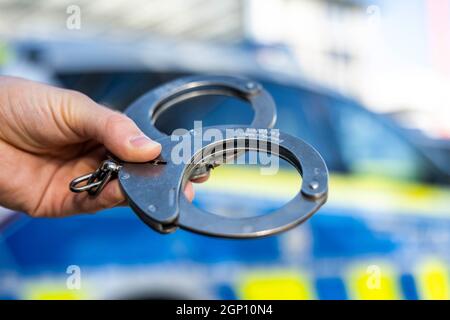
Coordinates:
x,y
97,180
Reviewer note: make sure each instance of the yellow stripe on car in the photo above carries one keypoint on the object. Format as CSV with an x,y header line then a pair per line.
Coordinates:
x,y
274,284
432,280
369,193
52,291
373,281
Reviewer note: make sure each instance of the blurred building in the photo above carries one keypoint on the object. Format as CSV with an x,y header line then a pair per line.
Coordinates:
x,y
392,55
138,19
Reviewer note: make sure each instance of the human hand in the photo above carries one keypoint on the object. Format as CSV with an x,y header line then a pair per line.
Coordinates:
x,y
48,136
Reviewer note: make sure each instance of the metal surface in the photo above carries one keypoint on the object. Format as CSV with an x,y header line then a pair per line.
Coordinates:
x,y
154,190
147,108
97,180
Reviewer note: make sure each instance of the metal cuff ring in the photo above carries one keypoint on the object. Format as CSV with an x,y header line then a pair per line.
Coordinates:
x,y
153,190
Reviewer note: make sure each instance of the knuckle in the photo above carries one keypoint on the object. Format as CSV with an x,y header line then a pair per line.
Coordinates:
x,y
75,95
13,89
71,98
115,121
104,202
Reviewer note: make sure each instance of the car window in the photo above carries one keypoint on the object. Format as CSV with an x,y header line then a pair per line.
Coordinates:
x,y
307,116
348,136
369,146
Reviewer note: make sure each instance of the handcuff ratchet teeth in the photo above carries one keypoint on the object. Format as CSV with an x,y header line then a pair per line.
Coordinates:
x,y
153,189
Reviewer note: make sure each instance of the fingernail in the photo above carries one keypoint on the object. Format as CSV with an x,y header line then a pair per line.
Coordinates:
x,y
143,141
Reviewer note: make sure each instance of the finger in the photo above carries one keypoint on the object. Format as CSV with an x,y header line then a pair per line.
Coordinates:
x,y
109,197
201,179
189,191
118,133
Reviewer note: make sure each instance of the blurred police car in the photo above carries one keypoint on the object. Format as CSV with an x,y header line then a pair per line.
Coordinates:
x,y
384,232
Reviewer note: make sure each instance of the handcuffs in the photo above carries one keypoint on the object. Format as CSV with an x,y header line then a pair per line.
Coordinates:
x,y
154,189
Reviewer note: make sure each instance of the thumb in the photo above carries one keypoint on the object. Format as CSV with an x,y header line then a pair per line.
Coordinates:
x,y
118,133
